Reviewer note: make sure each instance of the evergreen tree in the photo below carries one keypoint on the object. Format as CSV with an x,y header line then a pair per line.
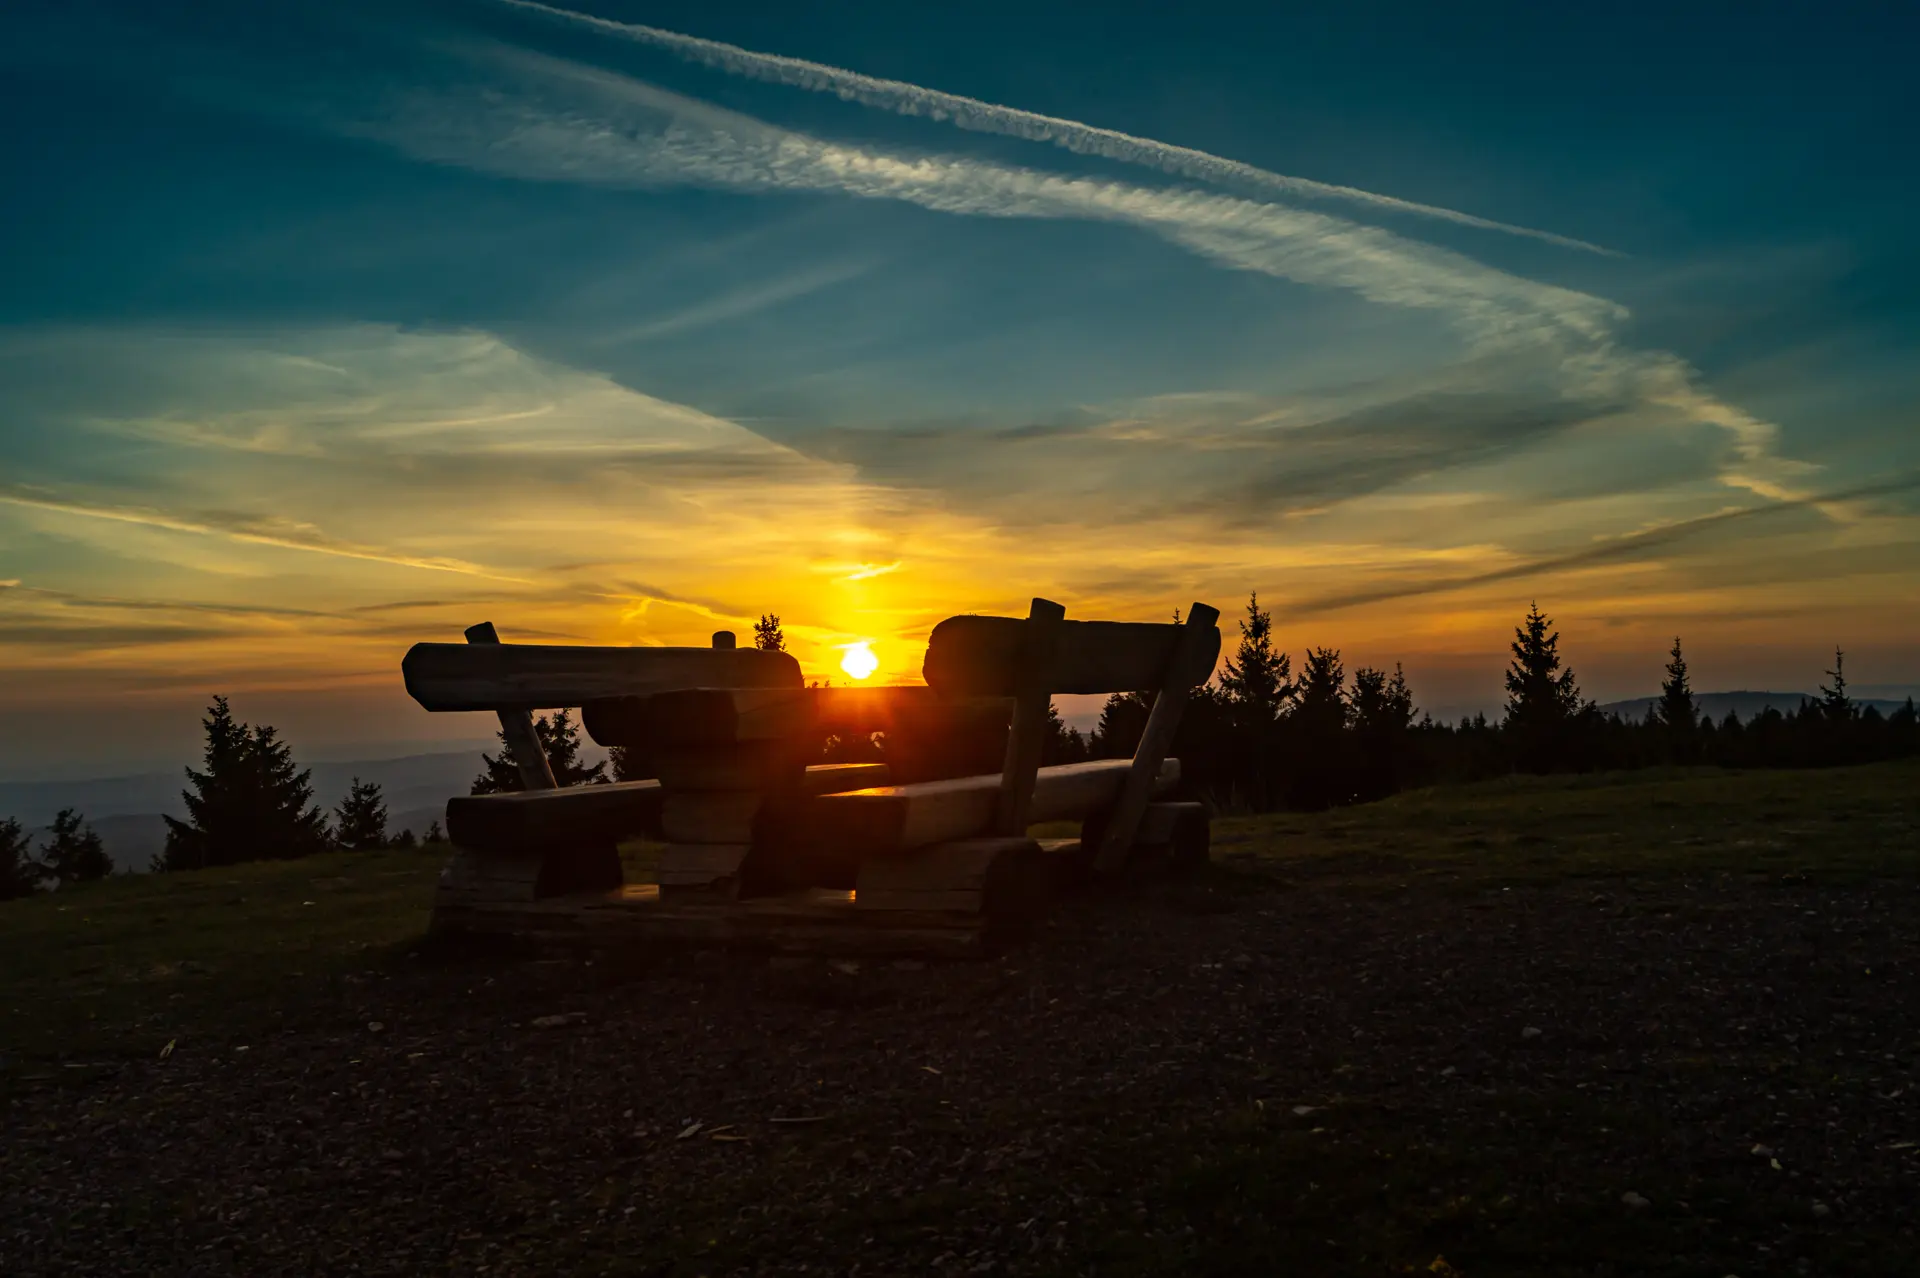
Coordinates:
x,y
74,854
20,874
1675,711
404,839
631,763
767,635
1835,704
360,822
560,738
433,834
1061,744
1321,763
1543,700
252,802
1257,680
1122,722
1382,711
1320,701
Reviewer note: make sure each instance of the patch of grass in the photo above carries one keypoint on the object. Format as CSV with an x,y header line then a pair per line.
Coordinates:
x,y
1838,823
115,967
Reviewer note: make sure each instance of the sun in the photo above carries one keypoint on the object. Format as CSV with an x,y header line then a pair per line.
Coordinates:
x,y
859,660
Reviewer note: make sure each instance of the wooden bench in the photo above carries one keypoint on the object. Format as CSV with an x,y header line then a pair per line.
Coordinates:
x,y
764,847
544,840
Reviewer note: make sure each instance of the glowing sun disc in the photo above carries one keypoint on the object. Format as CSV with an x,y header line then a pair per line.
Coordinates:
x,y
859,660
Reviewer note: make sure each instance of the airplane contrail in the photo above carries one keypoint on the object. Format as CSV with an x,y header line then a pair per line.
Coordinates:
x,y
987,117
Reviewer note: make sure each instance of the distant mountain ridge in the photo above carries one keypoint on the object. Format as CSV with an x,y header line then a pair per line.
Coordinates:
x,y
1744,705
128,811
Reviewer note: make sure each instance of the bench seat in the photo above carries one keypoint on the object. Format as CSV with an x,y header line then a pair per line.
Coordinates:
x,y
893,818
527,820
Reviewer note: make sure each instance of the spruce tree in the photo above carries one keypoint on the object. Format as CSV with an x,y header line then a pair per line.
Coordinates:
x,y
1319,771
252,802
632,763
767,635
360,822
1061,744
1320,702
74,854
1543,700
1675,710
1382,711
560,738
20,874
1835,704
1256,679
433,834
1122,721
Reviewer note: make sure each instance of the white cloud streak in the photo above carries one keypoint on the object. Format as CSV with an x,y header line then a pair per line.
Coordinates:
x,y
907,99
576,124
265,531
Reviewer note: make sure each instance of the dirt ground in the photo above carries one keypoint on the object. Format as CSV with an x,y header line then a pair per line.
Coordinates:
x,y
1249,1073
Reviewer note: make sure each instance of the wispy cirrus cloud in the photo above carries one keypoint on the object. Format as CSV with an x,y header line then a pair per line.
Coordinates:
x,y
560,121
973,114
265,530
1609,550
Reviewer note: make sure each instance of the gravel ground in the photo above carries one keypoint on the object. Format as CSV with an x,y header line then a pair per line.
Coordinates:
x,y
1238,1075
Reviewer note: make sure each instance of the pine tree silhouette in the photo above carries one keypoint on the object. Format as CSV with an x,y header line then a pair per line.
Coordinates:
x,y
1123,719
767,635
1382,712
1835,704
251,803
560,738
1543,700
360,822
1675,711
433,834
1257,681
20,874
74,853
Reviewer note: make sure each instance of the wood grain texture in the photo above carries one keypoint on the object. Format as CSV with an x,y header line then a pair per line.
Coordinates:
x,y
982,656
885,819
451,676
532,817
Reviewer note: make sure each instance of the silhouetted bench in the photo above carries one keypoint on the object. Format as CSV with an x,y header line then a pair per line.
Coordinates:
x,y
545,840
764,847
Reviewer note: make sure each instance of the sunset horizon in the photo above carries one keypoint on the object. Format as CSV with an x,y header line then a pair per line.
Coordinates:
x,y
341,329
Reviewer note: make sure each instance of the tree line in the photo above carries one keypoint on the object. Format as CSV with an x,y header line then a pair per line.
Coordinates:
x,y
1259,737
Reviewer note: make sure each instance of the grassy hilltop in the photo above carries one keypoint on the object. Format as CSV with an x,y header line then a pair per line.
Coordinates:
x,y
1646,1023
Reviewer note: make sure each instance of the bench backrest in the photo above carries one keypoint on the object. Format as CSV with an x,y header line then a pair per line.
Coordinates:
x,y
518,676
513,680
1033,658
986,656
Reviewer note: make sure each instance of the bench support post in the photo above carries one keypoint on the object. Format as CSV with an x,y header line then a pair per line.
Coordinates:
x,y
523,743
1032,696
1176,686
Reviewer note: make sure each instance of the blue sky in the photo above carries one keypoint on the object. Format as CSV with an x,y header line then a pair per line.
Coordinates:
x,y
328,327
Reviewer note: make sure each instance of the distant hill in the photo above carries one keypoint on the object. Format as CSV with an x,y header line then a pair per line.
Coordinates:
x,y
1744,705
127,811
